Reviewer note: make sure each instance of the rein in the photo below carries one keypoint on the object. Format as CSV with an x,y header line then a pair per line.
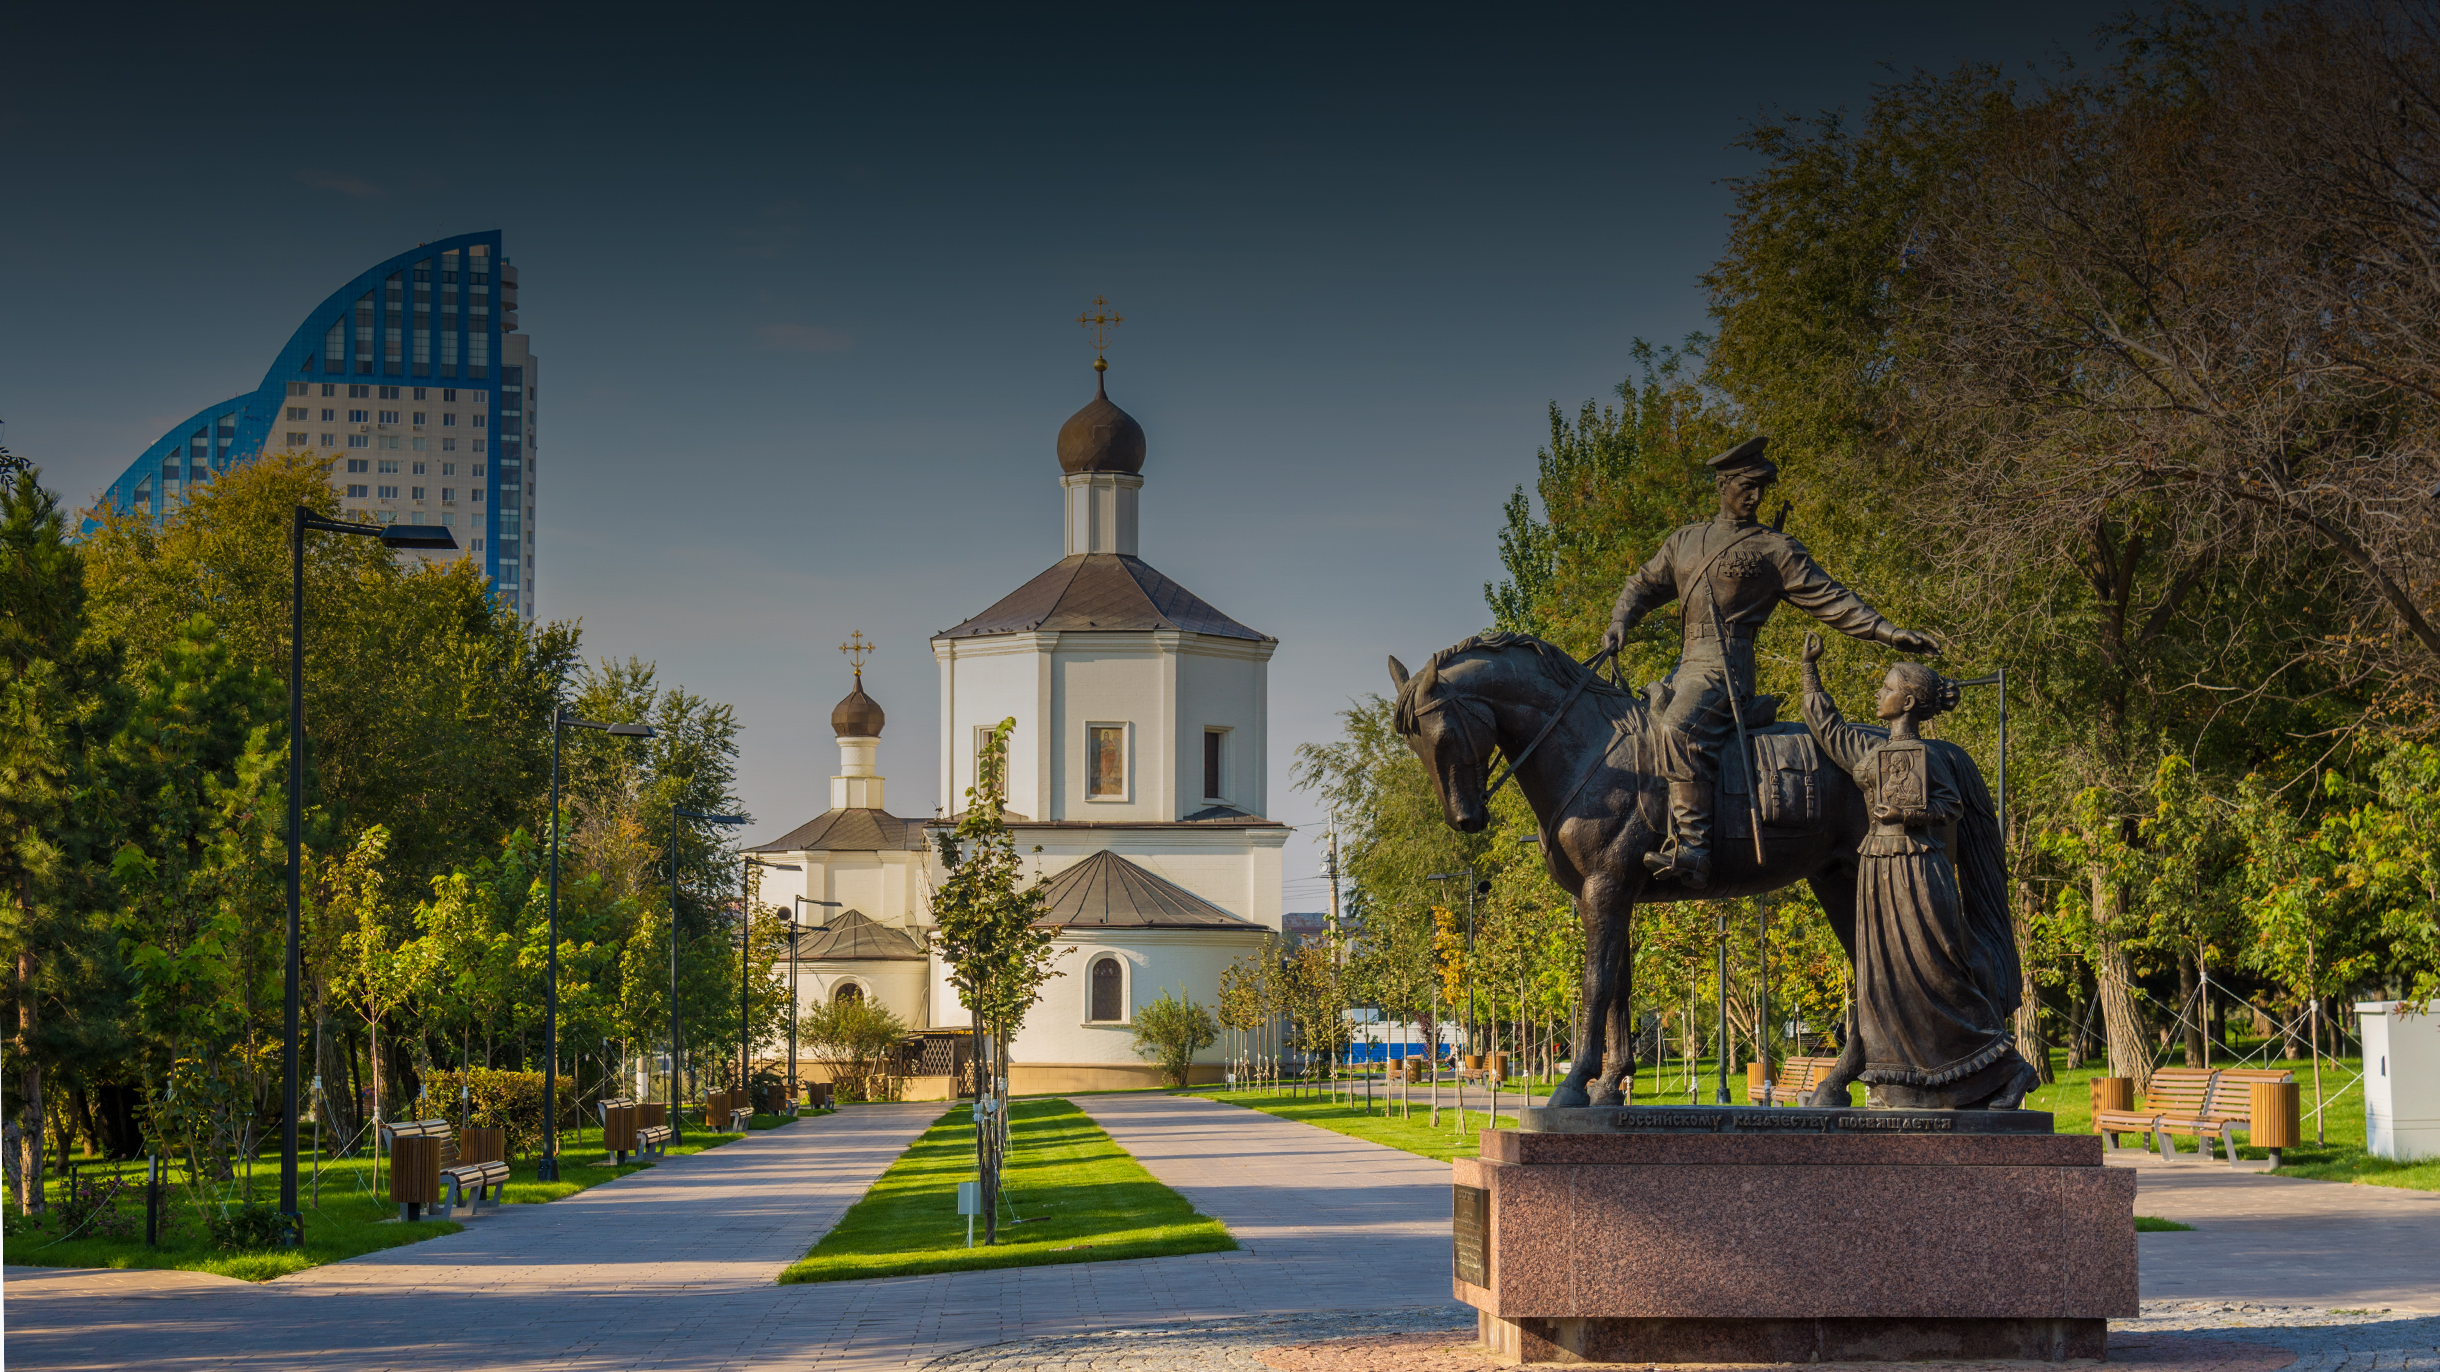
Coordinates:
x,y
1559,714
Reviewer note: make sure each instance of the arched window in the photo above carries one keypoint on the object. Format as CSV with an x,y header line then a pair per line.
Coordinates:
x,y
848,991
1109,990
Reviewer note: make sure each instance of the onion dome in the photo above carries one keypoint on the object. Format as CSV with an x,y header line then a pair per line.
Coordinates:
x,y
1101,437
858,716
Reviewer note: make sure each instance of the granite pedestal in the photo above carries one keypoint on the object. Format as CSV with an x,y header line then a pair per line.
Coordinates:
x,y
1731,1234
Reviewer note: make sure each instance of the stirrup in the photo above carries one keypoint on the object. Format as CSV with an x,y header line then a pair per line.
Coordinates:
x,y
1691,866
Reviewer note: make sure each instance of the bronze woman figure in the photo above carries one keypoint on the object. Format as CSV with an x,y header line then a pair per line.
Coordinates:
x,y
1935,966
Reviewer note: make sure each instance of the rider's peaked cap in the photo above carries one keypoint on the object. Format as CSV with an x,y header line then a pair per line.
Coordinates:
x,y
1744,455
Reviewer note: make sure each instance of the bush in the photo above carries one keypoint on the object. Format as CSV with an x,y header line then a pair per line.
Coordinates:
x,y
252,1225
1171,1031
858,1042
502,1100
90,1210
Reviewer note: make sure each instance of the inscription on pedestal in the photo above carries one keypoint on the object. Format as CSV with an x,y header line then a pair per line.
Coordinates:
x,y
1470,1227
1760,1119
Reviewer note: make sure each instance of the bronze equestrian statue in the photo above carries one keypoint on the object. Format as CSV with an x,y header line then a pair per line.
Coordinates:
x,y
1605,773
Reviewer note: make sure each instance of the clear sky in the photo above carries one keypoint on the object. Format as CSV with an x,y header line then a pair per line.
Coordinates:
x,y
802,285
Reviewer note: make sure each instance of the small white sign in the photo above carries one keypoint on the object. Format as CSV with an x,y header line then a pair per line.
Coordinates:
x,y
970,1198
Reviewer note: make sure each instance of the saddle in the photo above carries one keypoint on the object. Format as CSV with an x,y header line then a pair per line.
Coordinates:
x,y
1787,763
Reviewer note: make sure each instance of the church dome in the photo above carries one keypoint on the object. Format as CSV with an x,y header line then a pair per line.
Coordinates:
x,y
1101,437
858,716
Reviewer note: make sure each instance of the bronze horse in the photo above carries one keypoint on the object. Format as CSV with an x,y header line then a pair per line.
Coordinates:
x,y
1591,784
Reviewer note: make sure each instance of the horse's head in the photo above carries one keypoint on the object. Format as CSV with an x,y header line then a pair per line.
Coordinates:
x,y
1453,733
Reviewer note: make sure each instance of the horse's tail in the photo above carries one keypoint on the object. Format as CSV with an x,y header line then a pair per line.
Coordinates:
x,y
1981,863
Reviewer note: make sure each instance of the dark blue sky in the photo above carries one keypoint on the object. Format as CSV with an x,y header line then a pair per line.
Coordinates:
x,y
803,285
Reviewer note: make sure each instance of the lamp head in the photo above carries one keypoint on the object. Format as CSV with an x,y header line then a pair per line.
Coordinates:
x,y
417,536
631,731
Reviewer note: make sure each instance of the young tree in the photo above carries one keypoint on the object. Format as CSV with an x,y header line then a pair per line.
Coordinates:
x,y
985,925
1170,1031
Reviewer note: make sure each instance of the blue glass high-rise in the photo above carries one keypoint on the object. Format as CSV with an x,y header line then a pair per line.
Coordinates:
x,y
413,369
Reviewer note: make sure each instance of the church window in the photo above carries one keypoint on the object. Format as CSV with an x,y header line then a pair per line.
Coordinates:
x,y
1109,991
848,994
1105,761
1212,750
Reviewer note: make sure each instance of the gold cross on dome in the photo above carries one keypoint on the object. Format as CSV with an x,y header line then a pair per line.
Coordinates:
x,y
1098,322
857,649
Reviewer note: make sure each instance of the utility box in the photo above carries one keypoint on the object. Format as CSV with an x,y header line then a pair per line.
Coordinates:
x,y
2401,1080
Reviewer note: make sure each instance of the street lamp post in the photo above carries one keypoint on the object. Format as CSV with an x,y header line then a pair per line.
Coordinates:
x,y
391,536
796,931
745,967
547,1168
675,815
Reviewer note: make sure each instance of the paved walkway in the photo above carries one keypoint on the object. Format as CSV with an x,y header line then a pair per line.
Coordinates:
x,y
672,1267
2279,1240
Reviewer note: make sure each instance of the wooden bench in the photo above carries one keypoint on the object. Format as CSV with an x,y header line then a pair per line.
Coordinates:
x,y
2182,1093
1797,1079
727,1110
478,1176
653,1133
2230,1108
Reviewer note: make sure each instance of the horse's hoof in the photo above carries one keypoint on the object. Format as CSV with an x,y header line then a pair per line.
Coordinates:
x,y
1829,1096
1568,1097
1608,1095
2012,1096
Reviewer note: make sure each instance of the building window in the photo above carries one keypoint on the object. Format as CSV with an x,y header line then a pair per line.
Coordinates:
x,y
1213,753
419,418
330,440
478,471
359,416
449,396
448,521
449,495
478,545
390,465
419,494
357,464
296,440
296,412
359,441
448,421
355,492
389,393
449,445
419,394
389,416
479,421
419,468
476,495
448,469
388,441
848,993
478,445
1105,761
359,392
391,493
1109,991
417,444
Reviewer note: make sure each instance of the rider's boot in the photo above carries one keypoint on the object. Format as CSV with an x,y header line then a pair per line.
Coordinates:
x,y
1686,855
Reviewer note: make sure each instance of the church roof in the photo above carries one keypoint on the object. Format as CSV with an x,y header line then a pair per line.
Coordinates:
x,y
852,936
849,831
1105,891
1106,591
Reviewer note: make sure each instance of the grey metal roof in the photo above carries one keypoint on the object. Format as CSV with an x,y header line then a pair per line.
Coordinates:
x,y
1105,891
849,831
851,936
1108,591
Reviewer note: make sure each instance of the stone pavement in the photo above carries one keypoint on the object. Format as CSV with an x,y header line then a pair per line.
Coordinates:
x,y
2279,1240
673,1267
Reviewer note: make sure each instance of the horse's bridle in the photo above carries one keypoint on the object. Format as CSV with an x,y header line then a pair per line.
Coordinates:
x,y
1519,760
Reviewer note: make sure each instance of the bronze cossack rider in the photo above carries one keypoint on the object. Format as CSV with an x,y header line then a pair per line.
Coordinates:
x,y
1730,572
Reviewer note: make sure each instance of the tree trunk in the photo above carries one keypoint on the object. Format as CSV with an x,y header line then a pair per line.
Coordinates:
x,y
29,1135
332,1065
2189,999
2029,1044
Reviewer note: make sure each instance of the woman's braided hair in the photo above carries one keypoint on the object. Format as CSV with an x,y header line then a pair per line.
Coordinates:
x,y
1934,693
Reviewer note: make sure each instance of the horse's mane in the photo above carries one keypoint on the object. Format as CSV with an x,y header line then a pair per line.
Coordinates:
x,y
1550,657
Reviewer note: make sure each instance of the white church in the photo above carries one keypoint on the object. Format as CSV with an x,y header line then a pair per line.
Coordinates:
x,y
1136,767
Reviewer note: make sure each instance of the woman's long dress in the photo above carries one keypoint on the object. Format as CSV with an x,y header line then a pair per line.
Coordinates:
x,y
1921,1012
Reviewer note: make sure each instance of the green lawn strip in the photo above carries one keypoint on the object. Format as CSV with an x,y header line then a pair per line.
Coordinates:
x,y
1082,1199
353,1216
2154,1224
1414,1133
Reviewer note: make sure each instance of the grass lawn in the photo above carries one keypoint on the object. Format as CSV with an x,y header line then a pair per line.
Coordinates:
x,y
347,1221
1413,1133
2154,1224
1081,1197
